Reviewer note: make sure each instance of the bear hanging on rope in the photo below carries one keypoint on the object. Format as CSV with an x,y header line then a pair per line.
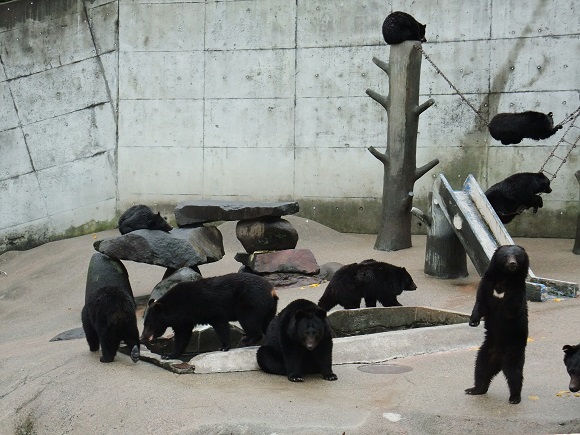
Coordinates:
x,y
400,26
517,193
511,128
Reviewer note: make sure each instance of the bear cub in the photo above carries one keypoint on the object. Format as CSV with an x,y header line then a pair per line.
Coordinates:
x,y
141,217
400,26
370,279
516,193
109,317
511,128
501,300
298,342
249,299
572,362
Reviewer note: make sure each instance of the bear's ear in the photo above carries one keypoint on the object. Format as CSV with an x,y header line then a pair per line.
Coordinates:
x,y
151,302
568,350
321,313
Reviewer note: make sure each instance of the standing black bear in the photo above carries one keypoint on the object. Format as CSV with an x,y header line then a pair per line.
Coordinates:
x,y
109,317
400,26
501,300
517,193
247,298
298,342
510,128
141,217
372,280
572,362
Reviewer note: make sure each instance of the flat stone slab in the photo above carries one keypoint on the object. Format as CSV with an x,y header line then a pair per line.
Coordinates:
x,y
181,247
285,261
202,211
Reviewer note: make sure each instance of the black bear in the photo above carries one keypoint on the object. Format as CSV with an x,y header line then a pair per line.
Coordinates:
x,y
141,217
516,193
109,317
501,300
400,26
249,299
572,362
511,128
370,279
298,342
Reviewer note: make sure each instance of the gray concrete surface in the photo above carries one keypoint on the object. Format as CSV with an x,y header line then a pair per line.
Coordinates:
x,y
60,387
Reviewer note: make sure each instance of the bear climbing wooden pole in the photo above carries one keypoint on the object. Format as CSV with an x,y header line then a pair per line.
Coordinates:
x,y
399,160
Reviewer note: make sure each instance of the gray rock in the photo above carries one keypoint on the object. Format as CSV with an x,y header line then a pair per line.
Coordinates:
x,y
185,274
328,269
286,261
181,247
266,234
71,334
202,211
105,271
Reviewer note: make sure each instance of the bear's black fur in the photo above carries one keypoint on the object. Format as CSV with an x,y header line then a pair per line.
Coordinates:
x,y
572,362
247,298
501,300
517,193
109,317
372,280
141,217
400,26
298,342
511,128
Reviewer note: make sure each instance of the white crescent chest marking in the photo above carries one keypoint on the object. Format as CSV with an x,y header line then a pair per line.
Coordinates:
x,y
498,295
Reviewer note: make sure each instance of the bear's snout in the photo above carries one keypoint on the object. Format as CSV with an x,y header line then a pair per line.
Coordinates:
x,y
574,384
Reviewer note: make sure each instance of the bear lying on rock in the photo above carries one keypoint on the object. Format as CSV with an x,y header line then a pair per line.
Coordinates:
x,y
298,342
370,279
501,300
247,298
141,217
517,193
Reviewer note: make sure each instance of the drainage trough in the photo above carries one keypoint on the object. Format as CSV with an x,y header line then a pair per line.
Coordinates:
x,y
364,336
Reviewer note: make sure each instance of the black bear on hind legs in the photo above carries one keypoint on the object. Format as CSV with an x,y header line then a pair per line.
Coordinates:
x,y
400,26
511,128
501,299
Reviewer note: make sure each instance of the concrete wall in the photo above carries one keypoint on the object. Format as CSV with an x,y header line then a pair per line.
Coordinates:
x,y
106,104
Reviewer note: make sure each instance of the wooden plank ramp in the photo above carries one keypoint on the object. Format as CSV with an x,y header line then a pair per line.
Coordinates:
x,y
481,232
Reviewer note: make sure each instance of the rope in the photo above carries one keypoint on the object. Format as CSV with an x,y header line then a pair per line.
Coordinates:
x,y
419,48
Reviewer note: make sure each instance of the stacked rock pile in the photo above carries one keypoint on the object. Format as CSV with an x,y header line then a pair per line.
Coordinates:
x,y
268,239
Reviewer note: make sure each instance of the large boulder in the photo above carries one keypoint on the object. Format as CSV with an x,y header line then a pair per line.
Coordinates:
x,y
181,247
202,211
266,234
105,271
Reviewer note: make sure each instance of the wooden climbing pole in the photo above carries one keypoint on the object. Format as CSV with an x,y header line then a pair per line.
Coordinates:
x,y
399,159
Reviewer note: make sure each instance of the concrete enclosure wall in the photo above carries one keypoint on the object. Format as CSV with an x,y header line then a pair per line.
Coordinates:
x,y
104,104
